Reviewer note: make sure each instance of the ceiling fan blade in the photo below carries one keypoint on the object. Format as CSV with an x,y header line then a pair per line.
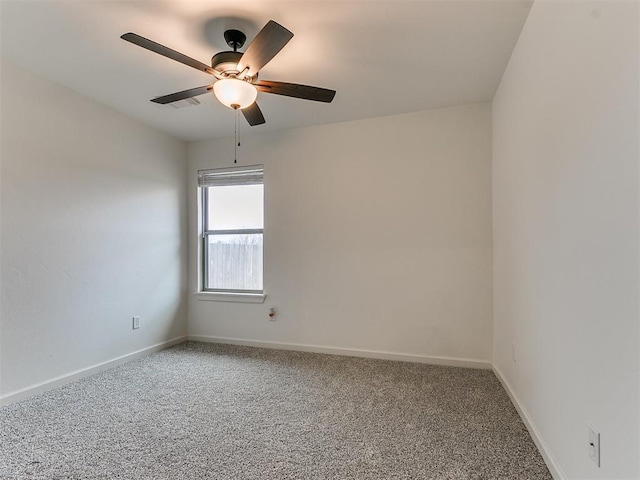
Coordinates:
x,y
174,97
307,92
267,43
253,114
166,51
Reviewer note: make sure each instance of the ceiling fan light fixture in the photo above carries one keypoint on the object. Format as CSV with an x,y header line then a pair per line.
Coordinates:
x,y
235,93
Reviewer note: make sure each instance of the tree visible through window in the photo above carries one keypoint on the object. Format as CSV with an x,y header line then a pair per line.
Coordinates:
x,y
233,221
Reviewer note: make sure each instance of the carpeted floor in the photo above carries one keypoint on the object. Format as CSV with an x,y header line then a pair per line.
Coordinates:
x,y
199,411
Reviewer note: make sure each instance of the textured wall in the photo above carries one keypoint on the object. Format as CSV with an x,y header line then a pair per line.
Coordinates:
x,y
565,209
377,235
93,232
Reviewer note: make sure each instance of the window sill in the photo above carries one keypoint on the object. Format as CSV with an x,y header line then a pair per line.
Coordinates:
x,y
231,297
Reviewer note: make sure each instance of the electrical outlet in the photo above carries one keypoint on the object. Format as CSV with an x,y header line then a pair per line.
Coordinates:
x,y
514,353
594,445
136,322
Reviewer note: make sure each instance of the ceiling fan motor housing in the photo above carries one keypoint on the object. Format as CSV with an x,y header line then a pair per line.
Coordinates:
x,y
226,62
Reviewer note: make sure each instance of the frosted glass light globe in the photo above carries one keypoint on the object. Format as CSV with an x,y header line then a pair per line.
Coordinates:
x,y
231,91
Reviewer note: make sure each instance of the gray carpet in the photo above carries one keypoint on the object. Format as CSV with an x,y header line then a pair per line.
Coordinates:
x,y
199,411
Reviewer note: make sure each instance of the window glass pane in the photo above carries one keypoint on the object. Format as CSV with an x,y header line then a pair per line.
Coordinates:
x,y
235,207
234,262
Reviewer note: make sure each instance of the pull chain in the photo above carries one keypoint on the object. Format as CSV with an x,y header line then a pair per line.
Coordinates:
x,y
237,141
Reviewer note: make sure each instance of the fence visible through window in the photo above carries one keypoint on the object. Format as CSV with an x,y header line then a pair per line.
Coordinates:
x,y
235,262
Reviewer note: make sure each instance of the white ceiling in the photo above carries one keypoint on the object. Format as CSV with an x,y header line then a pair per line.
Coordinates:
x,y
382,57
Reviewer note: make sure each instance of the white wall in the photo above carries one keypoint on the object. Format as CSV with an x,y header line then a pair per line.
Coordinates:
x,y
93,232
377,235
565,210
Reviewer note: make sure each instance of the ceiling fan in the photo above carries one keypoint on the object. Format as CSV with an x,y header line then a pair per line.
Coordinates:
x,y
236,73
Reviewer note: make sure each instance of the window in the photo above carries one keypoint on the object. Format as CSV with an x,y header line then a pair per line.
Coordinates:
x,y
232,224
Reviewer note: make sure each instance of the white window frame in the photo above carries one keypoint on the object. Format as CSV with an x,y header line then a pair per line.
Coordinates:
x,y
218,294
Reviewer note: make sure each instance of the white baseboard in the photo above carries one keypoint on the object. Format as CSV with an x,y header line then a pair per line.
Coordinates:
x,y
351,352
41,387
552,465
